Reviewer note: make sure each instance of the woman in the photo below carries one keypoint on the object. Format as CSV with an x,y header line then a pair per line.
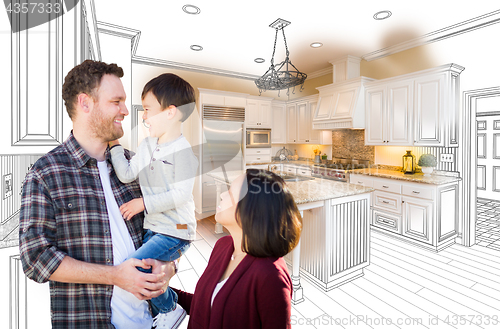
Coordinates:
x,y
246,283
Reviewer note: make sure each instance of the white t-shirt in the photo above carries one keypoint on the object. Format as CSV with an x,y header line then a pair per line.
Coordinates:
x,y
126,310
218,287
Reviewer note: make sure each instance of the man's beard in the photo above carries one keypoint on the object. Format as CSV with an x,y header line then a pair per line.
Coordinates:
x,y
102,127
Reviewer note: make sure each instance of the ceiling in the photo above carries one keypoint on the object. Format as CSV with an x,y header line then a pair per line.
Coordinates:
x,y
233,34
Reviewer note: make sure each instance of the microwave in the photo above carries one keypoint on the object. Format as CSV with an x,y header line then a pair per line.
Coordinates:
x,y
258,138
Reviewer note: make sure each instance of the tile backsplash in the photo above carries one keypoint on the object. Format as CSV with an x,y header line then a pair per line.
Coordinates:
x,y
350,144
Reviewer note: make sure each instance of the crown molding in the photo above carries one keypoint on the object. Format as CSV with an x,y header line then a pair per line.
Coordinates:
x,y
448,32
122,32
190,67
319,73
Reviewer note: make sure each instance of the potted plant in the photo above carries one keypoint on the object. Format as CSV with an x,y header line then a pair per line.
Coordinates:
x,y
427,162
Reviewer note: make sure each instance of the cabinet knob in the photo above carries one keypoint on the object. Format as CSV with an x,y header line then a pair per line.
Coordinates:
x,y
385,186
416,192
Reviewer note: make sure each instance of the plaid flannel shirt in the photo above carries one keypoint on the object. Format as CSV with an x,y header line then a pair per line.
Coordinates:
x,y
63,212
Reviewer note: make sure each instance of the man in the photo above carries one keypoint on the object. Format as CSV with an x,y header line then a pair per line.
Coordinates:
x,y
72,233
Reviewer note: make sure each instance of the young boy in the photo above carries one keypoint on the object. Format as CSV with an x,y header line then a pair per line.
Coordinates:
x,y
166,168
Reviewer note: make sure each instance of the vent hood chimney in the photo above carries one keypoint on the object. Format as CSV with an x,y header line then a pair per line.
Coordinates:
x,y
342,104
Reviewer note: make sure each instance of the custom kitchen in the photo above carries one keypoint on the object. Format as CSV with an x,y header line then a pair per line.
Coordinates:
x,y
390,135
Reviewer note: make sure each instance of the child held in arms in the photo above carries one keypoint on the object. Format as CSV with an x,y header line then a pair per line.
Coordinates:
x,y
166,167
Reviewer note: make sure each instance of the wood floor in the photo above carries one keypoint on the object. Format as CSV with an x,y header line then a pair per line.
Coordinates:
x,y
403,287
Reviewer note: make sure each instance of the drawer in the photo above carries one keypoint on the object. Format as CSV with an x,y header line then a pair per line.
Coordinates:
x,y
387,186
361,180
418,191
290,170
258,151
260,167
386,221
304,171
387,201
257,158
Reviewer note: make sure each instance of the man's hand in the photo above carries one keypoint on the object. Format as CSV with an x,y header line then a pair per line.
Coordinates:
x,y
144,286
132,208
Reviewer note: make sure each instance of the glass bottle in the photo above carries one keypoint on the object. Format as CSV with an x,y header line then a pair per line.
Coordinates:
x,y
408,163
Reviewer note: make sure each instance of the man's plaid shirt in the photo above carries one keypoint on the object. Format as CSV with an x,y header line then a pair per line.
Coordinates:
x,y
63,212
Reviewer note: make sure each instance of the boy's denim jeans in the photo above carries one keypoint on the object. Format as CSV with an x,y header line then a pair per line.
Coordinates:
x,y
165,248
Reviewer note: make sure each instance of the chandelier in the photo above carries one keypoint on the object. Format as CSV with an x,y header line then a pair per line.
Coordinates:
x,y
283,75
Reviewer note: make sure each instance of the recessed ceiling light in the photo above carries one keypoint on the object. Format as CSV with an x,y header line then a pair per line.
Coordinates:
x,y
196,48
382,15
259,60
190,9
316,44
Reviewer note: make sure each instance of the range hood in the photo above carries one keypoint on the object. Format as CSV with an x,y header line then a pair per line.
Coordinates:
x,y
342,104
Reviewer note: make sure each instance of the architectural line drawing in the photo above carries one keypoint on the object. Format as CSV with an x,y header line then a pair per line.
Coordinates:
x,y
441,273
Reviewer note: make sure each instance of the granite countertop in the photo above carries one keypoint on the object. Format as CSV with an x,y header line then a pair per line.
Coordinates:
x,y
300,163
433,179
309,190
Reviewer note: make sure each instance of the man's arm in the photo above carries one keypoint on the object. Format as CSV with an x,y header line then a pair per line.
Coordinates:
x,y
126,276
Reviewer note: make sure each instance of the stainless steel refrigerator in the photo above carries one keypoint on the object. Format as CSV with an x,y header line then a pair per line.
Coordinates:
x,y
223,138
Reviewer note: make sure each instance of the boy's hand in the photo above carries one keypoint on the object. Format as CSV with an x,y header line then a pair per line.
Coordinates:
x,y
132,208
112,143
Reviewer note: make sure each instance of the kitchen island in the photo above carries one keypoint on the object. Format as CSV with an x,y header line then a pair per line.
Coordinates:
x,y
334,244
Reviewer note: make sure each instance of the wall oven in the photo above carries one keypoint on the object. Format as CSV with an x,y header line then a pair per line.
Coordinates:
x,y
258,138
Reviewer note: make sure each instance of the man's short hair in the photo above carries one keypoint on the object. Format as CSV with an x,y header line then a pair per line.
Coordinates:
x,y
85,78
170,89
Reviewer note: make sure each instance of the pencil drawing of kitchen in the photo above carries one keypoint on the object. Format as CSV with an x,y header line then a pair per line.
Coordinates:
x,y
387,134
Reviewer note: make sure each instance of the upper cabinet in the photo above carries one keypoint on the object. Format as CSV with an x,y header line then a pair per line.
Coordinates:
x,y
258,112
222,98
278,119
389,109
299,123
418,109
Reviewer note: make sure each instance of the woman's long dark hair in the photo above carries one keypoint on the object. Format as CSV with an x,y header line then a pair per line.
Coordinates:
x,y
268,215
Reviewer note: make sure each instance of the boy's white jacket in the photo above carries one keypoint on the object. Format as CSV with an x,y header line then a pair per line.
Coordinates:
x,y
166,175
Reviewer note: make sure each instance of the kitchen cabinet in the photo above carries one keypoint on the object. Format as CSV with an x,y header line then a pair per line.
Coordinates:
x,y
420,108
291,123
299,123
221,98
422,214
389,110
257,155
258,113
278,123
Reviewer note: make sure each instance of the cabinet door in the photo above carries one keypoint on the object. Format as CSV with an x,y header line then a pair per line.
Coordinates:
x,y
314,135
429,105
304,120
417,219
399,113
252,114
265,115
278,133
291,124
375,116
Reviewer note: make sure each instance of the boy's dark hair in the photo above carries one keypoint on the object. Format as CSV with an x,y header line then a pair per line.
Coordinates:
x,y
268,215
86,78
170,89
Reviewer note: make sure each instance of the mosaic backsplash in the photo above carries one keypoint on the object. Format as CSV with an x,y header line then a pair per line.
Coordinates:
x,y
350,144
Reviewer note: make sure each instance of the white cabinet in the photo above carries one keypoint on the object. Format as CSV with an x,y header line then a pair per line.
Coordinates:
x,y
389,110
297,170
437,108
420,108
256,155
278,119
222,98
258,113
291,123
418,213
300,123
